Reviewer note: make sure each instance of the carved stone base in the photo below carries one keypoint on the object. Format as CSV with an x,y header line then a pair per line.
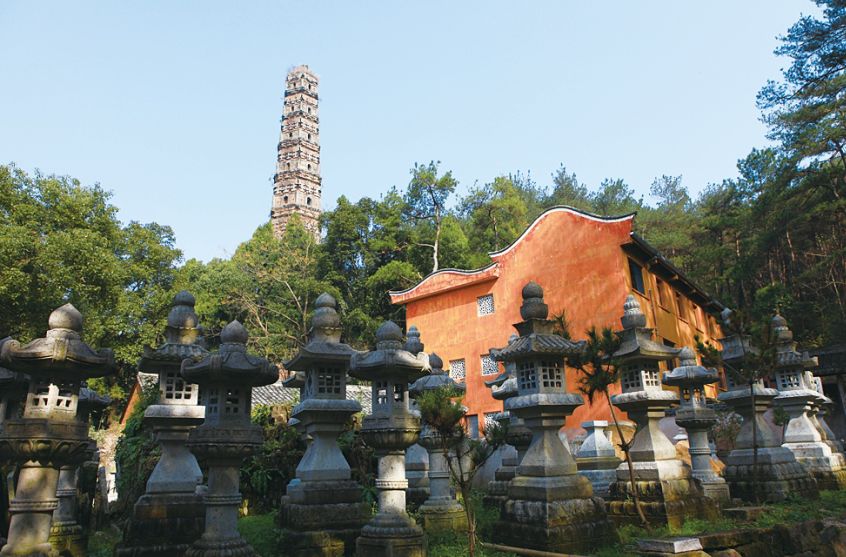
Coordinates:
x,y
562,526
217,547
667,492
717,491
391,535
830,479
443,518
601,480
778,475
316,543
69,539
163,524
320,529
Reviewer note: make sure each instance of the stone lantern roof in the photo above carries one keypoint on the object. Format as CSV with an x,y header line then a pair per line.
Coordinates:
x,y
324,342
183,337
437,379
536,331
390,359
232,364
787,357
690,374
61,355
636,337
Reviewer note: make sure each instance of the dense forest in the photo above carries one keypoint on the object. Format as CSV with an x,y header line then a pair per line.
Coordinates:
x,y
771,237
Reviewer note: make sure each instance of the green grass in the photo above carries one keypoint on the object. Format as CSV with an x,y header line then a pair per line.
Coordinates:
x,y
102,542
261,532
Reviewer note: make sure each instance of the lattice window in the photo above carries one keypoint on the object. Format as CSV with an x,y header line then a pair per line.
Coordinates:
x,y
457,370
233,402
175,388
64,399
212,401
380,390
485,304
328,381
489,366
490,419
399,392
631,380
651,377
551,375
527,379
41,395
789,380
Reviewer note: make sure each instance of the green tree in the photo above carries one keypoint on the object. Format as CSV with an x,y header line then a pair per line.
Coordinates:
x,y
567,190
426,199
62,242
495,214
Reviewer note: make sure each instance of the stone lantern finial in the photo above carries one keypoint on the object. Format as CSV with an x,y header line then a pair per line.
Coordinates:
x,y
780,329
413,343
437,364
633,316
234,334
388,336
687,357
533,305
326,323
182,322
66,318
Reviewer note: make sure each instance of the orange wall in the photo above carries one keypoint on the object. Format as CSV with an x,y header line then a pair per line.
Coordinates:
x,y
583,271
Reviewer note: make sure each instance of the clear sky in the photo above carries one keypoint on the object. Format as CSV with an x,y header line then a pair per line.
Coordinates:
x,y
175,106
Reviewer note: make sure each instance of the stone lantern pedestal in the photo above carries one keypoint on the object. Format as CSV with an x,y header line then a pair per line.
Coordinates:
x,y
49,435
550,507
697,419
441,511
803,435
227,436
169,517
596,458
667,491
323,511
390,430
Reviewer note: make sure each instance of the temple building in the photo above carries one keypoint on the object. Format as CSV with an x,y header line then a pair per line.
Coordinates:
x,y
296,184
588,265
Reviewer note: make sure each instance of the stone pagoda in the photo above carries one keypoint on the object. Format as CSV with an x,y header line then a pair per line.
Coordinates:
x,y
416,457
296,184
441,511
390,430
169,517
324,510
697,418
804,437
550,507
596,458
776,475
667,491
50,433
226,437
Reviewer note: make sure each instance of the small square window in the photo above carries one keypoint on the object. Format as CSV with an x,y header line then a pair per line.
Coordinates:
x,y
489,366
457,370
485,304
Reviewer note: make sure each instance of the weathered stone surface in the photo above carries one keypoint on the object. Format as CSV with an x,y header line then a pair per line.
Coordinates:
x,y
390,429
669,545
550,507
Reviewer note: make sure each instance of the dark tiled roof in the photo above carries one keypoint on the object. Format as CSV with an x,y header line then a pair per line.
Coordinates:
x,y
278,394
537,343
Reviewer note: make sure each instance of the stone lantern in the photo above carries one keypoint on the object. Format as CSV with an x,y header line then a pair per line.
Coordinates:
x,y
668,493
324,510
416,457
596,458
49,434
68,536
777,474
169,516
440,511
518,437
697,418
390,429
821,408
226,437
550,507
797,397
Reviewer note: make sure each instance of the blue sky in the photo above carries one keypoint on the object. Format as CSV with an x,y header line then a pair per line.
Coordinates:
x,y
175,106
